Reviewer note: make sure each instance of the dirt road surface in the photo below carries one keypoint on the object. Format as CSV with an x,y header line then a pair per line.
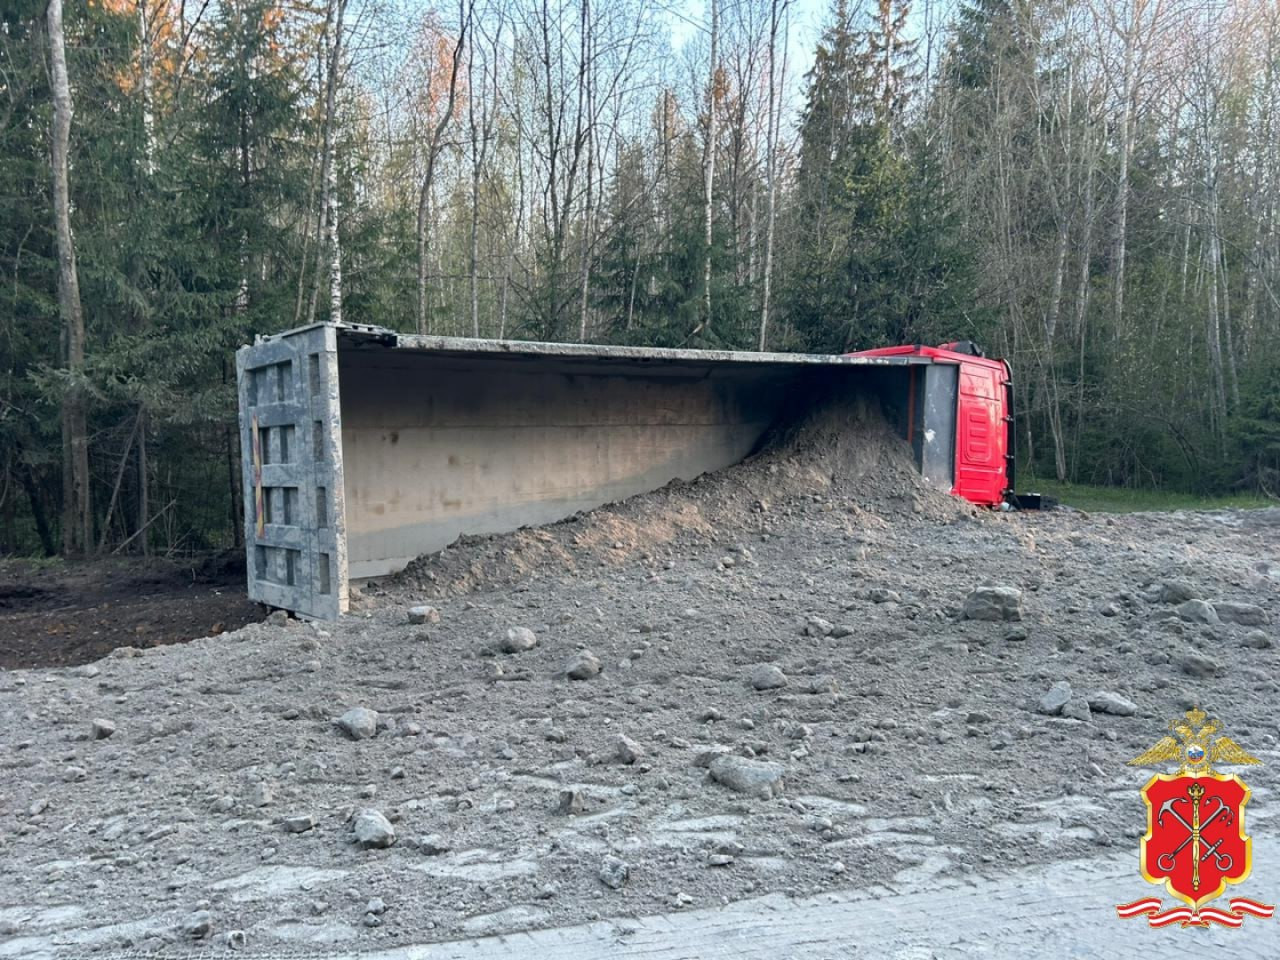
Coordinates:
x,y
787,710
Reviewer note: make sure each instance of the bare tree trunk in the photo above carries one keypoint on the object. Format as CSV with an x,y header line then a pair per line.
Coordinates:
x,y
631,296
1233,377
115,487
1213,337
771,166
327,234
434,145
149,150
319,216
144,480
144,71
1082,296
335,248
77,516
588,226
235,499
1122,201
477,159
709,158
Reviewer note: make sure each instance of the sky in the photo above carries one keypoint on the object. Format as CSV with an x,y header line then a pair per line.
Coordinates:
x,y
688,17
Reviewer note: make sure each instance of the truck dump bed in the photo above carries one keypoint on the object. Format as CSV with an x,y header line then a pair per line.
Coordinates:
x,y
364,448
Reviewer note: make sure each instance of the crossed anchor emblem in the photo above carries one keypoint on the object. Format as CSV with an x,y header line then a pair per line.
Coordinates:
x,y
1195,831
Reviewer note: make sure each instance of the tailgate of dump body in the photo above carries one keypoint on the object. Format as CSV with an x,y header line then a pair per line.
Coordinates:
x,y
290,413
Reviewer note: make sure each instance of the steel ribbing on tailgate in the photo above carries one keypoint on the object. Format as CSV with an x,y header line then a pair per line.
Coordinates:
x,y
291,450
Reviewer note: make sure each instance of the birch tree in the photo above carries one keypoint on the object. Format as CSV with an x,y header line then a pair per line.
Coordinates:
x,y
77,515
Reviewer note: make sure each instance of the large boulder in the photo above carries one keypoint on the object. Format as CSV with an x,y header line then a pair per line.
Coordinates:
x,y
372,830
1197,611
1176,591
582,666
756,778
768,677
359,723
1057,697
1245,614
1105,701
994,603
518,640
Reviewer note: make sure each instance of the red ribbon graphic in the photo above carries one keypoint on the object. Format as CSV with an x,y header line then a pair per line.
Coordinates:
x,y
1237,909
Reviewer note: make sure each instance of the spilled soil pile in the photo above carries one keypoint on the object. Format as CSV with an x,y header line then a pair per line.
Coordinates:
x,y
841,453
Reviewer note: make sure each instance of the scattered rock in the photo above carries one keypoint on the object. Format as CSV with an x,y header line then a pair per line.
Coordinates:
x,y
101,729
432,845
199,924
626,750
757,778
572,802
994,603
1198,665
359,723
373,830
1105,701
817,627
614,872
299,823
1258,640
1176,591
583,666
234,940
1197,611
1244,614
823,684
376,906
768,677
424,614
518,640
262,795
1055,699
704,757
720,860
1077,708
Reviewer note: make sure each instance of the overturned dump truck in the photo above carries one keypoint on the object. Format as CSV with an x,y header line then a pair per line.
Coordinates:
x,y
364,448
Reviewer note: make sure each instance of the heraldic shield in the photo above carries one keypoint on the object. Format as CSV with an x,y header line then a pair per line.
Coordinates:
x,y
1195,841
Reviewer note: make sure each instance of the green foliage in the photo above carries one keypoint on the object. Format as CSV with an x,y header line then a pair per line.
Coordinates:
x,y
1115,499
878,259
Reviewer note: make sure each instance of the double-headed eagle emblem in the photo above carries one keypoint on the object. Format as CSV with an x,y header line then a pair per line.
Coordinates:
x,y
1195,747
1195,844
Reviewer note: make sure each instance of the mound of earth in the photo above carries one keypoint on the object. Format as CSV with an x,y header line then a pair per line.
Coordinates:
x,y
842,454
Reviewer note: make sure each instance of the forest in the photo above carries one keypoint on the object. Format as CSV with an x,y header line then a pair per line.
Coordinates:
x,y
1090,188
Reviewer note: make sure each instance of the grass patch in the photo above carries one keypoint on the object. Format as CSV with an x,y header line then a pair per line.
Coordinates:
x,y
1127,500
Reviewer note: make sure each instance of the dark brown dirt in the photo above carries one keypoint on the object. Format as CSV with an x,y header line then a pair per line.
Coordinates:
x,y
67,614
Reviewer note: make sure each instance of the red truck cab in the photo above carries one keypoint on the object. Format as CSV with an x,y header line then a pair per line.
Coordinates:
x,y
959,418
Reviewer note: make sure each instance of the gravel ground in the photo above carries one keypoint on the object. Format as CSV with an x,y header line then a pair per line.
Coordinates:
x,y
784,690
